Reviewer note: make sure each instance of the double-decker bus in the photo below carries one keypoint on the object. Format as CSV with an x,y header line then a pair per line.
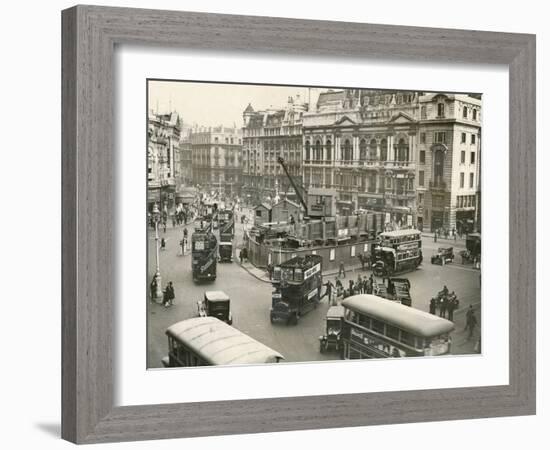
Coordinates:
x,y
297,284
374,327
227,231
226,221
207,341
397,252
204,249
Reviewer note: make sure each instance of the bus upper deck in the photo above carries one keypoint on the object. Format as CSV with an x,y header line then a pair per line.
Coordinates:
x,y
205,341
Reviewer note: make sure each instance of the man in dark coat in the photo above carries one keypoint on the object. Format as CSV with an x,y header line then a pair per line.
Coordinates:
x,y
328,291
471,321
342,270
452,305
443,303
169,295
432,305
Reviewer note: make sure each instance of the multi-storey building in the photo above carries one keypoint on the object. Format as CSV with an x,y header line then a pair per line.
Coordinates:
x,y
186,159
268,135
362,143
163,159
216,158
449,162
407,154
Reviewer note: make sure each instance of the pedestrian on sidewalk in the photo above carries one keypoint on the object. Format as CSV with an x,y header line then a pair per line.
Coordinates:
x,y
169,295
452,305
328,292
432,305
163,244
339,288
471,322
443,306
153,287
359,285
363,261
342,270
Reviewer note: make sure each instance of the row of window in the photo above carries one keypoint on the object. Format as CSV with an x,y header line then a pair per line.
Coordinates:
x,y
441,112
440,137
230,140
465,201
463,157
384,329
471,180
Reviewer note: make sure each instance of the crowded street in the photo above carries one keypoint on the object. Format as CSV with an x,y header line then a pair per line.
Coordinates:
x,y
251,298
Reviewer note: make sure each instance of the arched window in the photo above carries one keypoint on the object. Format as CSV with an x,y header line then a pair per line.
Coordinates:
x,y
372,149
465,112
474,114
363,150
346,151
329,150
307,151
439,162
318,153
402,150
384,150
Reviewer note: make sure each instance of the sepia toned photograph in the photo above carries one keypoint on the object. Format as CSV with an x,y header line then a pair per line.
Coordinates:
x,y
292,224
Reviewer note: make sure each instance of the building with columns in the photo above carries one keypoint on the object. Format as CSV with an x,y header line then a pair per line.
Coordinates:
x,y
216,158
363,144
408,154
267,135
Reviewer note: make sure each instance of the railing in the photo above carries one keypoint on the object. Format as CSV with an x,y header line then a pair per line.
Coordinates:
x,y
400,165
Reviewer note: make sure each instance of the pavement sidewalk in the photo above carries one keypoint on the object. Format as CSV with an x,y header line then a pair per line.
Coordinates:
x,y
262,275
460,242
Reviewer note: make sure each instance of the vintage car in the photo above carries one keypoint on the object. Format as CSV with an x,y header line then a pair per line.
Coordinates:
x,y
443,256
331,340
215,304
225,247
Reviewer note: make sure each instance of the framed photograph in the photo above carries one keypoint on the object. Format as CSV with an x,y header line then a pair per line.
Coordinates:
x,y
265,230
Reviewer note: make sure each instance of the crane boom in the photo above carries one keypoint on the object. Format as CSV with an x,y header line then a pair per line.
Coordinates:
x,y
282,162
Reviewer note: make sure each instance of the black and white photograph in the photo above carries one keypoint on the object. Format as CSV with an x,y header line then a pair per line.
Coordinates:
x,y
303,223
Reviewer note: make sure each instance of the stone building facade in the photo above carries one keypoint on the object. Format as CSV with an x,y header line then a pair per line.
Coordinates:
x,y
163,159
408,154
449,162
216,154
363,144
267,135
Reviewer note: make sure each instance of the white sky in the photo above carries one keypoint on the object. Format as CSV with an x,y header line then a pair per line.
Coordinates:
x,y
213,104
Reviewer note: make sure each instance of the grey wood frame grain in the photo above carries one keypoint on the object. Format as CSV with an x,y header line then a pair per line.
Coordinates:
x,y
89,37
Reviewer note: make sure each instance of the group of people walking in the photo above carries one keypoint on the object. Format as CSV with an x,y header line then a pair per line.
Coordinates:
x,y
445,303
363,285
168,294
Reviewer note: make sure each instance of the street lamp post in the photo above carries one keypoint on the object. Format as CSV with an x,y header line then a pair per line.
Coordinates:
x,y
156,219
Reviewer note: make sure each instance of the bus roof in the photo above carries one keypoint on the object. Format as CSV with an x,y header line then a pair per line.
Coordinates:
x,y
335,311
216,296
305,261
221,344
399,233
413,320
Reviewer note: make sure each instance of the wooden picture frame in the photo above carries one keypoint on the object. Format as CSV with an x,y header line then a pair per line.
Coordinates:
x,y
90,34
